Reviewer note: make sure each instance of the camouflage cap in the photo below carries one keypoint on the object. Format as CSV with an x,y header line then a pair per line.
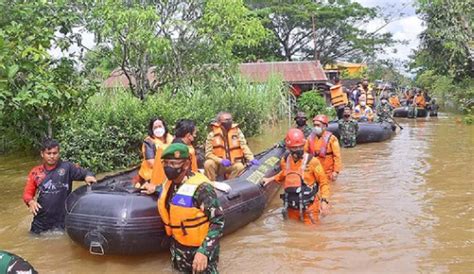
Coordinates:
x,y
176,151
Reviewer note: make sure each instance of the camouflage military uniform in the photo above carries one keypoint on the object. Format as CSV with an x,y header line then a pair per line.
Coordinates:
x,y
384,112
306,130
348,132
182,257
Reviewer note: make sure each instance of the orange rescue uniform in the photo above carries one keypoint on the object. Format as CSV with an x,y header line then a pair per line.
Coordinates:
x,y
326,148
313,173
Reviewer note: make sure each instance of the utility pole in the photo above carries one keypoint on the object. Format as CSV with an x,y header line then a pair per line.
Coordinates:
x,y
313,19
316,53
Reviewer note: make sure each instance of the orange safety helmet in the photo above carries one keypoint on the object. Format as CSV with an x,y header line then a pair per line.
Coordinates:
x,y
321,118
294,138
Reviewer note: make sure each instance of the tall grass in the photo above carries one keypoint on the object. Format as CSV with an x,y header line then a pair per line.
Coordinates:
x,y
107,134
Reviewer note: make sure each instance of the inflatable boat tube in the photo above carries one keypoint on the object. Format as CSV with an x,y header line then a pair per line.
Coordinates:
x,y
11,263
112,217
404,112
368,132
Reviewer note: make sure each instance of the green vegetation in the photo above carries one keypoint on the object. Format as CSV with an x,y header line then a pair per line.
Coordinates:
x,y
183,44
312,104
107,134
36,89
168,44
180,59
444,59
337,24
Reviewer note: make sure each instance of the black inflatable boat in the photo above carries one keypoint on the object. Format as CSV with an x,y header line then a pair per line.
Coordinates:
x,y
112,217
368,132
406,112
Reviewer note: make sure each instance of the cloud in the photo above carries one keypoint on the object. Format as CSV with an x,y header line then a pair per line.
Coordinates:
x,y
87,41
407,28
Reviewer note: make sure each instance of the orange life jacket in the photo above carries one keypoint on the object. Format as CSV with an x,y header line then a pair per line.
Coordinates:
x,y
293,178
322,150
394,102
183,221
193,158
420,101
338,96
369,96
158,173
146,170
299,195
227,147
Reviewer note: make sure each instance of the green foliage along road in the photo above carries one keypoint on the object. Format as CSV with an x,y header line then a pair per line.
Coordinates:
x,y
445,58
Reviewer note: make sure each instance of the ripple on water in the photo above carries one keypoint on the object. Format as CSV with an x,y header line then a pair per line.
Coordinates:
x,y
402,206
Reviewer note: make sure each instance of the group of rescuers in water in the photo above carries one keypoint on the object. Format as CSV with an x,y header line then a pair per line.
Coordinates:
x,y
188,203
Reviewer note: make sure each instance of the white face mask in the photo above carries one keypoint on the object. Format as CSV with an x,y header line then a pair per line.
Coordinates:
x,y
318,131
159,132
362,104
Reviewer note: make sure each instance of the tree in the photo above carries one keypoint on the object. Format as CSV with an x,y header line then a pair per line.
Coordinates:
x,y
337,29
176,41
36,88
131,30
444,59
446,45
388,70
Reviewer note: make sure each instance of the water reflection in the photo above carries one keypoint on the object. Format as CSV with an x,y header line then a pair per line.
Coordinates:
x,y
404,205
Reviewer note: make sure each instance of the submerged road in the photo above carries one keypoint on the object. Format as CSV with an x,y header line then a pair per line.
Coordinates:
x,y
404,205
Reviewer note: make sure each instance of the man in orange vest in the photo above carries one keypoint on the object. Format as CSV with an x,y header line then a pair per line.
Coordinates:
x,y
325,146
338,97
368,92
419,100
304,181
227,151
191,213
362,112
394,101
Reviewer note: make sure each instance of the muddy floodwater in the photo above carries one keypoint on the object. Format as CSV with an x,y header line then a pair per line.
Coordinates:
x,y
404,205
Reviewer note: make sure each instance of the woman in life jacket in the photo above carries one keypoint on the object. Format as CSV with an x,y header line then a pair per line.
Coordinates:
x,y
154,144
305,184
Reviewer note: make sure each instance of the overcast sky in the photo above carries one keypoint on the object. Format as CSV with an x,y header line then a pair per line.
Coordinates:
x,y
408,27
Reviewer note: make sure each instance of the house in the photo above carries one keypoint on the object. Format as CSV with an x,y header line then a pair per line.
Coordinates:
x,y
301,76
118,79
353,70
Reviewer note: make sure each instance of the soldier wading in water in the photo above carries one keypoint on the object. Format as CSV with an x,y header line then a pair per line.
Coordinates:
x,y
348,129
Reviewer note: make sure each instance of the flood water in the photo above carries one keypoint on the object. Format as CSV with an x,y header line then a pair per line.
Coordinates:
x,y
404,205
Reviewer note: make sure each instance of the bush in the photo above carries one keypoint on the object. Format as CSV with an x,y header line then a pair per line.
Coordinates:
x,y
450,91
107,135
312,104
